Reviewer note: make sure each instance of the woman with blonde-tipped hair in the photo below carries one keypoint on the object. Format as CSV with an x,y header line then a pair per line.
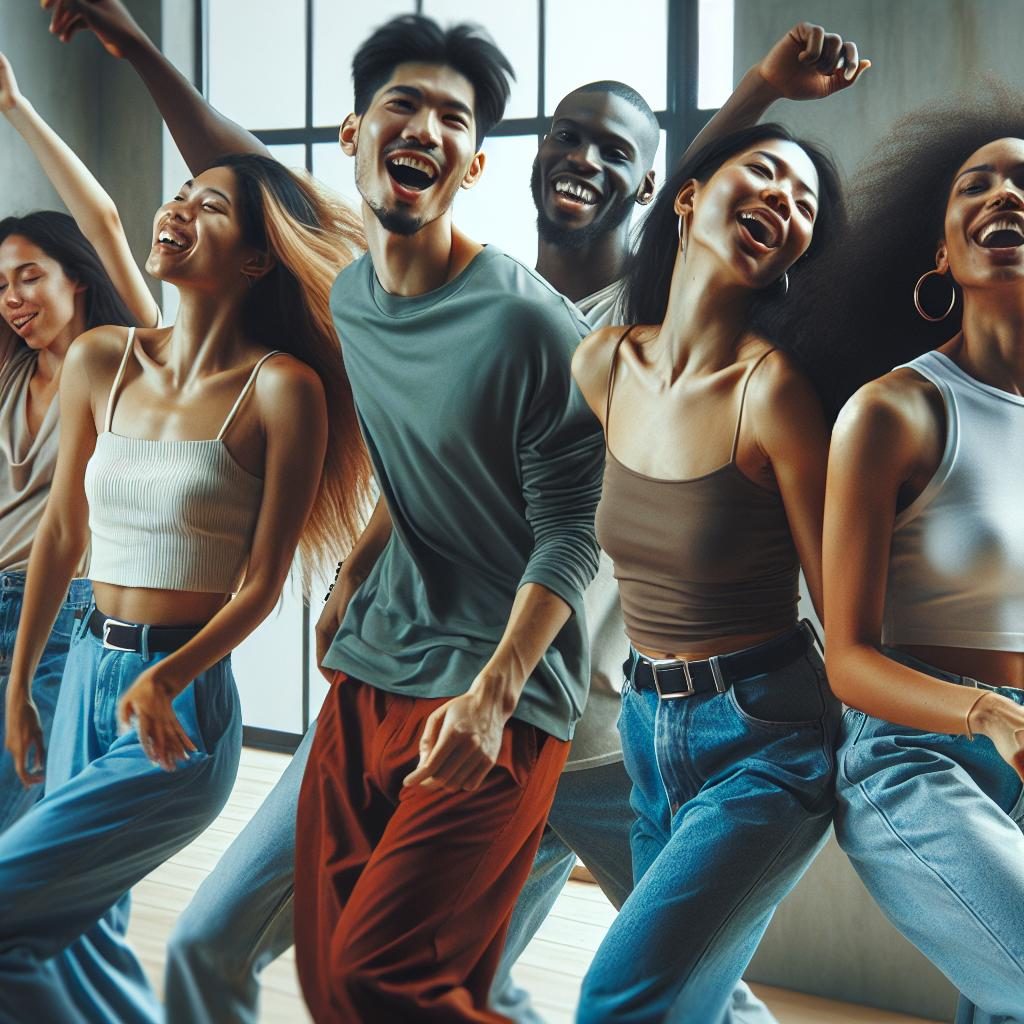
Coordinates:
x,y
194,459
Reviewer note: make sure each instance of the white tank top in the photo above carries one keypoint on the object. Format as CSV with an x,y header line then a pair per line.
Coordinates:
x,y
170,515
956,569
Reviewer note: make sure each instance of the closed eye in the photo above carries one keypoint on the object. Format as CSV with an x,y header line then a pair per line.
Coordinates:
x,y
807,210
761,169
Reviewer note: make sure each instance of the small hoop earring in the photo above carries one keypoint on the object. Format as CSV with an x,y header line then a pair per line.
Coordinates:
x,y
784,284
682,232
917,297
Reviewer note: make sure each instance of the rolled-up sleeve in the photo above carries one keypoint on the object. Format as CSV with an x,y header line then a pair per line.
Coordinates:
x,y
561,461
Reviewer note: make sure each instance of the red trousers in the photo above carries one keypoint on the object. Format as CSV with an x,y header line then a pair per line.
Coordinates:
x,y
403,896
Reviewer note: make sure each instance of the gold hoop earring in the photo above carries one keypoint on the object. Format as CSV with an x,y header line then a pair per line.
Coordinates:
x,y
682,240
917,297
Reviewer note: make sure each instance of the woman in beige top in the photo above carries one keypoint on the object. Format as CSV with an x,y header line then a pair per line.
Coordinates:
x,y
59,276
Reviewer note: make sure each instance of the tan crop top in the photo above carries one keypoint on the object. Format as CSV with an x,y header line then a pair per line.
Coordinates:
x,y
697,559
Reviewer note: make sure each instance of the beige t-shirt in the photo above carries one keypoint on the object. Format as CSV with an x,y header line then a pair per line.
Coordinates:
x,y
26,462
596,741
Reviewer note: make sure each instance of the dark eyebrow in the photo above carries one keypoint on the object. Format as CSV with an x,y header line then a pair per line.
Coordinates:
x,y
971,170
417,94
777,163
190,184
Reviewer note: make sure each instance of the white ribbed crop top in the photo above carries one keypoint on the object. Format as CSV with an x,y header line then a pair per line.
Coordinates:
x,y
956,569
170,515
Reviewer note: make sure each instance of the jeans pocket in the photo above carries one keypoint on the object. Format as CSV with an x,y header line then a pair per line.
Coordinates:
x,y
789,698
523,750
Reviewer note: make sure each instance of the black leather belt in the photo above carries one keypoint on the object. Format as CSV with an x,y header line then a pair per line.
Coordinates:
x,y
118,635
672,679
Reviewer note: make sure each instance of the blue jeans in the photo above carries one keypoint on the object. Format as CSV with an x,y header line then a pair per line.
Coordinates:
x,y
15,798
733,795
240,919
932,824
107,818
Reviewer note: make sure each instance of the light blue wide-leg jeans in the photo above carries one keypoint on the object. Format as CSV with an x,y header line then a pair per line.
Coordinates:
x,y
932,824
734,795
107,818
16,799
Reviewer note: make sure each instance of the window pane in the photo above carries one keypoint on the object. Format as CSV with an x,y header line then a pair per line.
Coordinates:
x,y
339,29
513,26
258,61
597,42
291,155
500,209
336,171
714,62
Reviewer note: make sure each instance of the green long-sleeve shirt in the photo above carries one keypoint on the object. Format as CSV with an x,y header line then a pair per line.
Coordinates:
x,y
490,463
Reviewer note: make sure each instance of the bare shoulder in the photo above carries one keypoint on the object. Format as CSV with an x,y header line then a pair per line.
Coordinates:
x,y
98,352
592,361
287,386
778,383
895,405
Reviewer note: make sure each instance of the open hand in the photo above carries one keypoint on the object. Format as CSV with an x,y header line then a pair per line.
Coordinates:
x,y
146,706
108,19
808,63
10,94
460,743
25,741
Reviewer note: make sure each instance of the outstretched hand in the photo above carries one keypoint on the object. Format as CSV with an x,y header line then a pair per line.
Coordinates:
x,y
10,94
808,63
108,19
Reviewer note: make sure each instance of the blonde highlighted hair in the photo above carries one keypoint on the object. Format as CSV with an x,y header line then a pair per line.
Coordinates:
x,y
311,235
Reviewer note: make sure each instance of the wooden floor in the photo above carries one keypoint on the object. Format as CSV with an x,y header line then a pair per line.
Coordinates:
x,y
551,967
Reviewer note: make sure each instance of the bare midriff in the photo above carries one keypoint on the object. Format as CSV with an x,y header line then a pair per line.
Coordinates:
x,y
997,668
158,607
719,645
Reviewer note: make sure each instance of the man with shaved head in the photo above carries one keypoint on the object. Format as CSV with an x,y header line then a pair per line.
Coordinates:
x,y
592,170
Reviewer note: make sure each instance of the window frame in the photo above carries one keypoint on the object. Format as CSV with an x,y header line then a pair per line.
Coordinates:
x,y
681,120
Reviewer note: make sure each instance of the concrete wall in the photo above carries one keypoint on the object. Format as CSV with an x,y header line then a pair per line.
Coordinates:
x,y
920,49
96,104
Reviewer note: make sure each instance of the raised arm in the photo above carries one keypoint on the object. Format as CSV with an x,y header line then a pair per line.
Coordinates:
x,y
94,211
200,132
875,450
807,63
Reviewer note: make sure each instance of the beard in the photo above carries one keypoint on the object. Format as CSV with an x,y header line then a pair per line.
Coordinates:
x,y
563,237
398,222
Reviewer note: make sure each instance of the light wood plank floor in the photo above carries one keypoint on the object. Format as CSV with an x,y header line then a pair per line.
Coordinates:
x,y
551,967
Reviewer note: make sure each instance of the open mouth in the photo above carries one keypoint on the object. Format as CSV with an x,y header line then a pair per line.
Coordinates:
x,y
19,322
411,172
761,227
1002,233
576,192
172,240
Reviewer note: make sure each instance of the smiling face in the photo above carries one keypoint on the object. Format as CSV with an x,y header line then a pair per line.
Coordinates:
x,y
415,146
591,168
197,236
38,300
984,223
756,212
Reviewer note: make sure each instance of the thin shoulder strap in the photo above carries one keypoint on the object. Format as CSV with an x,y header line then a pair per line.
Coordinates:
x,y
743,398
611,378
241,397
117,380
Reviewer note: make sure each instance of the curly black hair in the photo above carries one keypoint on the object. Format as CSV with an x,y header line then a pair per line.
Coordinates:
x,y
857,305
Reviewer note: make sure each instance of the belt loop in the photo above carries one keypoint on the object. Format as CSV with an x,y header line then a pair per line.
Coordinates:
x,y
634,660
144,642
809,628
716,672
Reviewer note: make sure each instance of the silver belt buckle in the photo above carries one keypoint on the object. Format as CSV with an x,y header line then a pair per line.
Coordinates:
x,y
657,663
107,623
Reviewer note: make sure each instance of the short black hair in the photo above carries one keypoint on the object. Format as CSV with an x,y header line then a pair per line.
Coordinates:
x,y
413,38
59,236
631,96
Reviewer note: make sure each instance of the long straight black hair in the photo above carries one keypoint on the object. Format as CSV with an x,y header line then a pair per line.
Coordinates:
x,y
649,276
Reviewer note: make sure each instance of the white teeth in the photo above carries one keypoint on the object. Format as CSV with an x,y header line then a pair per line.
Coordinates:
x,y
572,188
22,320
419,165
1001,224
757,218
169,240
